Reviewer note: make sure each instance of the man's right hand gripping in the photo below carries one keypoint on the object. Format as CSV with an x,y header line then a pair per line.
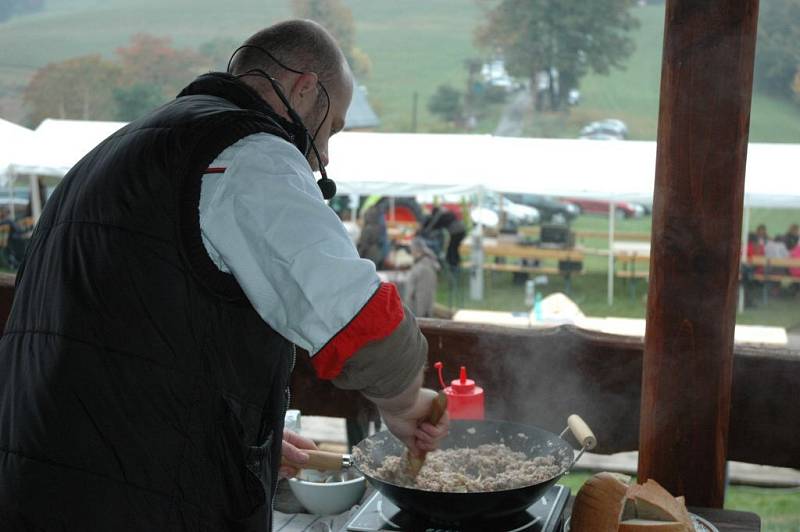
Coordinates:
x,y
405,416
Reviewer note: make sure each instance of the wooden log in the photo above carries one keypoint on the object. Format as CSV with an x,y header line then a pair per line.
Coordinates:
x,y
706,85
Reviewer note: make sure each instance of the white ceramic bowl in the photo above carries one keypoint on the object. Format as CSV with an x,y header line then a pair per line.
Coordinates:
x,y
327,498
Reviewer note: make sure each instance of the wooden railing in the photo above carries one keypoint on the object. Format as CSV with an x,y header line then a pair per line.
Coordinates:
x,y
539,377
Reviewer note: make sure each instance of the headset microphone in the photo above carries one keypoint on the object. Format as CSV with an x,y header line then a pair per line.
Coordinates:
x,y
326,185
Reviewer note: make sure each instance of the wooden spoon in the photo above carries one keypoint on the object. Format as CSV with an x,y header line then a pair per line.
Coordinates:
x,y
438,408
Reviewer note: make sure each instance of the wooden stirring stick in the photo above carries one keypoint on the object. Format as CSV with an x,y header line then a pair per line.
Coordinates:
x,y
438,408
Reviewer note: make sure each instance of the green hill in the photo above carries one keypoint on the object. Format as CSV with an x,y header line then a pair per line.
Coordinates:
x,y
414,46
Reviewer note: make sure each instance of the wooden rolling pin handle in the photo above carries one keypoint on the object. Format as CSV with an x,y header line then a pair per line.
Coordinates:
x,y
323,461
438,408
582,432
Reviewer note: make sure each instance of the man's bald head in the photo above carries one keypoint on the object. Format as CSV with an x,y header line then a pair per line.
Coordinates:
x,y
318,91
299,44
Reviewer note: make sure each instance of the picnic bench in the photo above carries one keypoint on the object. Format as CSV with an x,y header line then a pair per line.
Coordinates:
x,y
633,261
545,261
772,270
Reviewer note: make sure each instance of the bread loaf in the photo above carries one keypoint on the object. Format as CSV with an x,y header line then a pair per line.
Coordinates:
x,y
655,503
599,504
608,503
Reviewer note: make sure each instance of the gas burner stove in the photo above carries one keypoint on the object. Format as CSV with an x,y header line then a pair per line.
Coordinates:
x,y
378,514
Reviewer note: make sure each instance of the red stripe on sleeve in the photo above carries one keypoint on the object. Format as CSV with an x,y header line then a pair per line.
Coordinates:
x,y
215,170
376,320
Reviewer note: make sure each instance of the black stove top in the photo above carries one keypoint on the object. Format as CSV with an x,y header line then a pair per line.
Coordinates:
x,y
378,514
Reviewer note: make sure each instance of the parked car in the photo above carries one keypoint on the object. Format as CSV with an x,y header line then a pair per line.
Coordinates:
x,y
516,215
494,74
623,209
607,129
551,209
488,213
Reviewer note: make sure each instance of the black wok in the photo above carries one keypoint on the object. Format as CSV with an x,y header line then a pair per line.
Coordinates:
x,y
455,508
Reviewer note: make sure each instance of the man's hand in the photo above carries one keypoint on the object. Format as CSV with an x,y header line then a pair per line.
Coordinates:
x,y
409,426
292,452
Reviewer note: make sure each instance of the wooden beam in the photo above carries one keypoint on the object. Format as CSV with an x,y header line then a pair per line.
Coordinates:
x,y
706,86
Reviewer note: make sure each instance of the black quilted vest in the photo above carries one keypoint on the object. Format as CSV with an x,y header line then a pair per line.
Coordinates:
x,y
139,389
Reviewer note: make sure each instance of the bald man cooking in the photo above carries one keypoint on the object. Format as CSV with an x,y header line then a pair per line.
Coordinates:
x,y
174,273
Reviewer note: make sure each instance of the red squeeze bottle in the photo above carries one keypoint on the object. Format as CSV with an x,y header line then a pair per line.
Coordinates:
x,y
464,398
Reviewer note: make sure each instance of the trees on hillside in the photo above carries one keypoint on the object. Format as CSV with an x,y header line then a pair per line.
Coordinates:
x,y
149,72
79,88
446,103
563,38
777,50
152,60
218,51
338,19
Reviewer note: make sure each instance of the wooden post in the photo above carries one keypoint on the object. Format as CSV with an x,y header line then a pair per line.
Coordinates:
x,y
706,86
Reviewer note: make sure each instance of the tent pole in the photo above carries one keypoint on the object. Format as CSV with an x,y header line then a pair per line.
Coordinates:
x,y
36,199
611,219
11,209
353,207
476,277
745,231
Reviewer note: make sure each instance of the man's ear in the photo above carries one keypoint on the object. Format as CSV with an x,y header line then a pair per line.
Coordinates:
x,y
303,95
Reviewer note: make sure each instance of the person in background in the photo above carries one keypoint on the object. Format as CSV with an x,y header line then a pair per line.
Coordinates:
x,y
776,248
755,245
795,272
373,243
421,287
14,250
442,219
792,236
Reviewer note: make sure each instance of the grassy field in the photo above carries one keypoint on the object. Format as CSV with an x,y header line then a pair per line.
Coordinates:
x,y
414,46
589,290
779,509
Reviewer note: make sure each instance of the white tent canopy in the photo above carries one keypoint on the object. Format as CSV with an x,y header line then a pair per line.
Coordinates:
x,y
406,164
56,145
400,164
13,141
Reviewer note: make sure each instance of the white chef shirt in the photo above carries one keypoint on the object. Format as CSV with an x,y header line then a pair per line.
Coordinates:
x,y
264,221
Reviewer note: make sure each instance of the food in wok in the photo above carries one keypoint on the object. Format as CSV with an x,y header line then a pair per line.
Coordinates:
x,y
487,467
